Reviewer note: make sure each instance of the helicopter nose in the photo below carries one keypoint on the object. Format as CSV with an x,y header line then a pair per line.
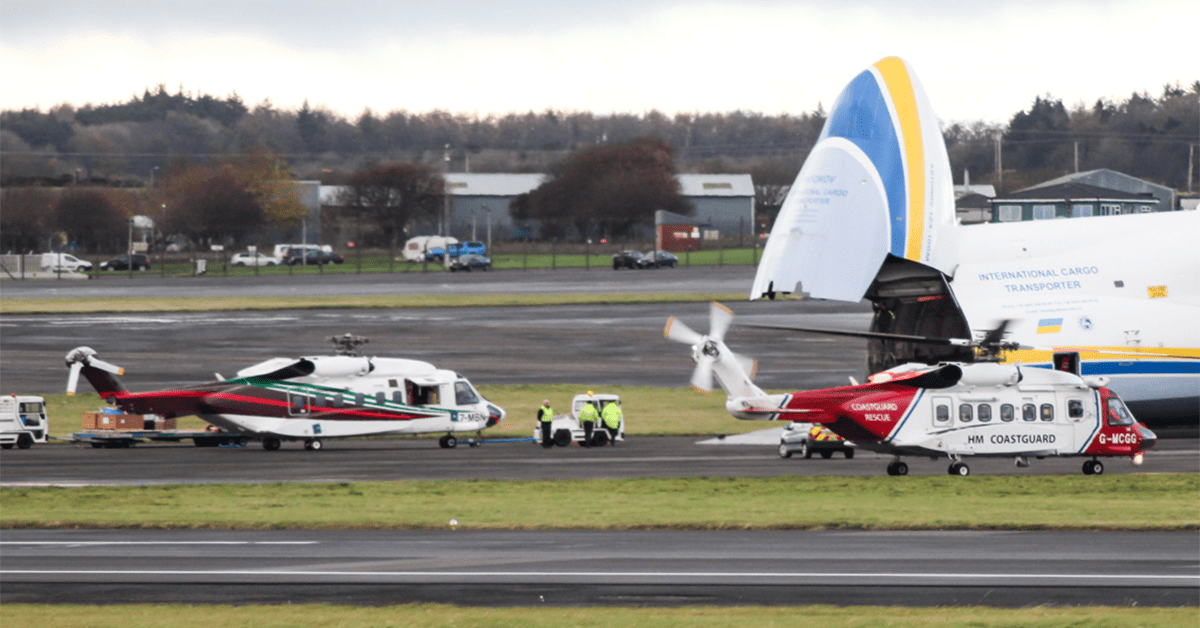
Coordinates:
x,y
1148,437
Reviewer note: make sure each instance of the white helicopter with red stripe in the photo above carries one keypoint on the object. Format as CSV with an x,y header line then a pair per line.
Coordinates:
x,y
952,410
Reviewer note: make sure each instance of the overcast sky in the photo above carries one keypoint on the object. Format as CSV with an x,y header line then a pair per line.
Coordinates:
x,y
977,60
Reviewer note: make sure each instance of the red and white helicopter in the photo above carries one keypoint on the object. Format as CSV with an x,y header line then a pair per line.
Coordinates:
x,y
311,398
954,410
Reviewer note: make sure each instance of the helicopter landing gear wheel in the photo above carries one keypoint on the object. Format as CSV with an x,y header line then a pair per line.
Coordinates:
x,y
897,468
312,444
960,469
448,442
271,444
1093,467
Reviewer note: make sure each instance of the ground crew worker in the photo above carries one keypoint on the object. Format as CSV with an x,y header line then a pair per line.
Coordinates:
x,y
612,420
588,417
545,415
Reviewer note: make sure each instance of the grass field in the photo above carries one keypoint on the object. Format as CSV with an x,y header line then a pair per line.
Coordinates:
x,y
1120,502
423,615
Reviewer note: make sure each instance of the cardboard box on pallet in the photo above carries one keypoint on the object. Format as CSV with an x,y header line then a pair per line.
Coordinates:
x,y
129,421
99,421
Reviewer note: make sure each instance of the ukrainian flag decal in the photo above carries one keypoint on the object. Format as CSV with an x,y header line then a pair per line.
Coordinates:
x,y
1049,326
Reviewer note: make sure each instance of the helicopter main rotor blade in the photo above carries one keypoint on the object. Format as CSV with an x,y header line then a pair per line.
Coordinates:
x,y
876,335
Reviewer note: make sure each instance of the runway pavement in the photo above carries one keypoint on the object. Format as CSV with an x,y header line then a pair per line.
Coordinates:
x,y
531,568
422,459
591,345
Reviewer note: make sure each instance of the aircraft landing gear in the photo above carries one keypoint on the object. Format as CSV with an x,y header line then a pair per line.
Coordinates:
x,y
271,444
897,468
959,468
312,444
448,442
1093,467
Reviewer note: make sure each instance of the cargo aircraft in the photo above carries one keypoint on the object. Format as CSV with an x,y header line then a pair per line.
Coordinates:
x,y
954,410
310,398
871,215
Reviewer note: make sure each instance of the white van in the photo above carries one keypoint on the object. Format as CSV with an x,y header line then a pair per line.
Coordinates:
x,y
65,263
23,421
416,248
282,249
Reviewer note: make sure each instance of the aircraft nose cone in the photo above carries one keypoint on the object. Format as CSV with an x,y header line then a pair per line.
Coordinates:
x,y
1148,438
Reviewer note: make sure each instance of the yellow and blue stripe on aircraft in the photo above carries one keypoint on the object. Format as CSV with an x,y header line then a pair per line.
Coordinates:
x,y
1049,325
878,113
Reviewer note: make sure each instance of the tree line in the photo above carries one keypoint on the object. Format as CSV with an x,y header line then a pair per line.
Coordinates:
x,y
218,164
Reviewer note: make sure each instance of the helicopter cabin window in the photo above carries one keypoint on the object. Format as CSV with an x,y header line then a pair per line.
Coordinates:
x,y
965,413
397,396
393,383
1029,412
380,398
297,404
1118,414
360,399
1047,412
338,402
1075,408
985,412
1007,412
419,395
464,395
941,411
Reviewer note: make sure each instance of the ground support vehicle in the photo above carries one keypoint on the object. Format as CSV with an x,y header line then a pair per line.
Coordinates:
x,y
23,421
566,428
806,439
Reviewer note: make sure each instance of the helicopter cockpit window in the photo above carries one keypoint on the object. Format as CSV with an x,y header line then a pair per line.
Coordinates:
x,y
1047,412
985,412
1007,412
1118,414
965,413
464,395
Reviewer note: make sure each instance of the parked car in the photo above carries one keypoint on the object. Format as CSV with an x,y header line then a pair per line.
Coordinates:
x,y
255,259
626,259
658,259
471,261
806,439
312,257
140,262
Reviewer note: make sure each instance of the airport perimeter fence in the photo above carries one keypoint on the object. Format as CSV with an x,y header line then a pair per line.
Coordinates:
x,y
519,256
